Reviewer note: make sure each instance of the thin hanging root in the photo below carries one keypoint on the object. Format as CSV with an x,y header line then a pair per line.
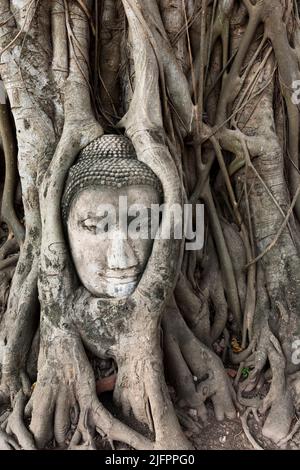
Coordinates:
x,y
247,432
250,296
226,263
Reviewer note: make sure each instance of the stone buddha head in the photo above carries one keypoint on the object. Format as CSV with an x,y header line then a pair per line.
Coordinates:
x,y
106,180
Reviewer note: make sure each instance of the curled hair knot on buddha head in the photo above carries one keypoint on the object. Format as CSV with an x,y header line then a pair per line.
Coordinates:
x,y
111,161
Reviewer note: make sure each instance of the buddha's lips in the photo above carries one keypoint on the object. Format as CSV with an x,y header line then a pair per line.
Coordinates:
x,y
122,279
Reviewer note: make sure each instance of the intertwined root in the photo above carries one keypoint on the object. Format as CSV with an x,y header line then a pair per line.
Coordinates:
x,y
197,373
141,391
130,392
64,406
282,398
74,428
7,442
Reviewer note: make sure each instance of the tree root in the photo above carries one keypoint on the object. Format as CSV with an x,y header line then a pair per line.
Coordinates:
x,y
15,424
290,436
189,358
18,327
68,385
211,281
194,309
247,432
279,400
7,442
10,247
8,262
55,396
8,210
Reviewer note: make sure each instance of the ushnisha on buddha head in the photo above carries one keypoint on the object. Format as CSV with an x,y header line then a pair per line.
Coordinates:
x,y
108,260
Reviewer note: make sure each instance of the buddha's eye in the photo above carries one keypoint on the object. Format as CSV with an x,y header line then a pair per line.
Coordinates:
x,y
97,225
89,224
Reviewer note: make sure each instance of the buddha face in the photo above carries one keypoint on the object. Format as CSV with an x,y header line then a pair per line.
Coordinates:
x,y
108,257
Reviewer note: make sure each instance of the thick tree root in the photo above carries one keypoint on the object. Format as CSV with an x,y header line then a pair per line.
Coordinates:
x,y
279,399
141,391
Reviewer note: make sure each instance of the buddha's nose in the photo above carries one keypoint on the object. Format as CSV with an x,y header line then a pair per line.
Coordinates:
x,y
120,255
